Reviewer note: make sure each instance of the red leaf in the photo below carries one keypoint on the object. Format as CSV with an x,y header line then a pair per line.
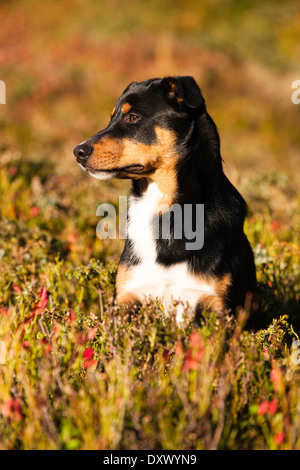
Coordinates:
x,y
275,225
6,408
195,352
12,409
279,438
16,288
4,312
72,315
195,339
12,170
41,304
72,238
92,333
92,364
263,408
88,354
26,344
273,406
56,333
43,297
34,211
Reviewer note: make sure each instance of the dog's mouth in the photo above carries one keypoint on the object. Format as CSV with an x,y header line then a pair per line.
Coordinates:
x,y
132,169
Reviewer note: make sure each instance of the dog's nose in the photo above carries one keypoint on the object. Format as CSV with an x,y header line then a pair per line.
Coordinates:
x,y
82,152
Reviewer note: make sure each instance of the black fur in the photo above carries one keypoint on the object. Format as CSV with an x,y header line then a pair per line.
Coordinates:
x,y
176,103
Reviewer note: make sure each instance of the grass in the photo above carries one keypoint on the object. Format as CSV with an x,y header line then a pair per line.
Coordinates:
x,y
82,374
77,372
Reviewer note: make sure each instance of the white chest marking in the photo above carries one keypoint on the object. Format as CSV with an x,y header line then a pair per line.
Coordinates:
x,y
148,278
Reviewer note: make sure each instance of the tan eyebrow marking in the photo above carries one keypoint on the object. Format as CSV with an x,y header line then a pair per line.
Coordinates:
x,y
126,108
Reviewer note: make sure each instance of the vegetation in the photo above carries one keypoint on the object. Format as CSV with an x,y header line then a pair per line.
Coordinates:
x,y
77,372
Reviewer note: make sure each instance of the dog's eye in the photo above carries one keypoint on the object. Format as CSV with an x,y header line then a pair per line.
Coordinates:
x,y
132,118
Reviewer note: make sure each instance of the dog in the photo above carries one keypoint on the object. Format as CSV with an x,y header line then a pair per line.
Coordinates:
x,y
161,137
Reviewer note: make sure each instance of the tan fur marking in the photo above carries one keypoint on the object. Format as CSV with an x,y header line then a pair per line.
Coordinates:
x,y
165,176
158,159
126,108
212,302
136,152
173,93
122,296
106,154
167,182
127,298
113,112
223,285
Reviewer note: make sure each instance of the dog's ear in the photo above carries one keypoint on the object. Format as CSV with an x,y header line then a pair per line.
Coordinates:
x,y
132,84
183,90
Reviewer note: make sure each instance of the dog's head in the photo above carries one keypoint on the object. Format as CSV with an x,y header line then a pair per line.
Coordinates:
x,y
149,127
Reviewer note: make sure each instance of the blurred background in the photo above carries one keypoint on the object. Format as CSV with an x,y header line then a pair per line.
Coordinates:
x,y
65,63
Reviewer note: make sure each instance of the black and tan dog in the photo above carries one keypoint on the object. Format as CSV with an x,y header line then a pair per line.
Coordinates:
x,y
161,136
